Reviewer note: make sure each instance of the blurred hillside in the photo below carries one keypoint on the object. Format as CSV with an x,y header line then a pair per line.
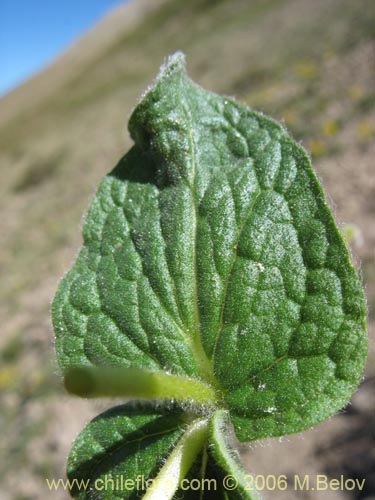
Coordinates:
x,y
308,63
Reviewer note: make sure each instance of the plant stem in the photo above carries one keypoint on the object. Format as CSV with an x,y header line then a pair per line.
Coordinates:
x,y
135,382
224,457
179,462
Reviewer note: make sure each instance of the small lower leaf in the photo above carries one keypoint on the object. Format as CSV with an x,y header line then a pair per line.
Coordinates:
x,y
126,443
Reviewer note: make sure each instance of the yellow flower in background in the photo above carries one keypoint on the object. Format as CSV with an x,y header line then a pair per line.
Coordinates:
x,y
356,92
317,147
258,96
37,378
290,117
306,70
365,130
8,377
330,128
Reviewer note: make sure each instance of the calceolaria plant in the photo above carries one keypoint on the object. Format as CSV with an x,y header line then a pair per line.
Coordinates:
x,y
213,291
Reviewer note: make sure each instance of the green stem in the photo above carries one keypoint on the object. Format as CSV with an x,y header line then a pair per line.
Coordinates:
x,y
179,462
134,382
225,459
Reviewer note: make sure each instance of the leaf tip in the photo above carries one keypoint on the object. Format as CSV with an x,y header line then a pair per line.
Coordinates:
x,y
174,63
160,102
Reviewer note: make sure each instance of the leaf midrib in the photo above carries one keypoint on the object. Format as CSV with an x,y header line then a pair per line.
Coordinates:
x,y
205,365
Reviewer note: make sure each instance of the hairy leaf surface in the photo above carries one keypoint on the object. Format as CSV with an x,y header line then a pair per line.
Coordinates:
x,y
128,442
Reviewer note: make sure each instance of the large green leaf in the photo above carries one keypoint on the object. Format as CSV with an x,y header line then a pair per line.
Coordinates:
x,y
210,252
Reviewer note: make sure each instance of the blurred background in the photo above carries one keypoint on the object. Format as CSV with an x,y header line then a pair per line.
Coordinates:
x,y
309,63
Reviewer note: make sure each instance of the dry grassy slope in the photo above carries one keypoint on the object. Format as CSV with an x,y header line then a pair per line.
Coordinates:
x,y
301,61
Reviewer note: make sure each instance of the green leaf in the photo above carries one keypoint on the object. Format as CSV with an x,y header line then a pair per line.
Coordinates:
x,y
122,450
209,252
133,443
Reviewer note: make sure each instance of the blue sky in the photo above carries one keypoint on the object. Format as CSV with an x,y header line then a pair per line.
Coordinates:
x,y
34,32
